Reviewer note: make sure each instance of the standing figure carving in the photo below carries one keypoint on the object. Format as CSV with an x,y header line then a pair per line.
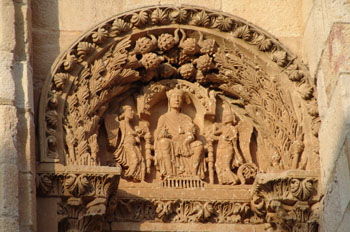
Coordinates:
x,y
128,151
177,152
227,155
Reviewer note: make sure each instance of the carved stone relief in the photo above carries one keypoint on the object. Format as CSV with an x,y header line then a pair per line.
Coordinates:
x,y
184,98
286,202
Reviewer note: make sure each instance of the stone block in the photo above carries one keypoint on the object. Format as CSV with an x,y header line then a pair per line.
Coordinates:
x,y
47,46
338,195
27,199
306,7
134,4
7,84
280,18
7,26
343,177
211,4
344,224
335,122
331,210
67,38
338,10
335,59
23,33
45,14
8,129
322,17
9,224
315,35
8,190
24,86
76,15
26,142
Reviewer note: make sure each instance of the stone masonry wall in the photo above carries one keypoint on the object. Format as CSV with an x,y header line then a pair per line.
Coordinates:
x,y
17,159
327,49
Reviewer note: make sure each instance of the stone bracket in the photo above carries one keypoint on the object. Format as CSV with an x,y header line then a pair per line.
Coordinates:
x,y
288,201
86,194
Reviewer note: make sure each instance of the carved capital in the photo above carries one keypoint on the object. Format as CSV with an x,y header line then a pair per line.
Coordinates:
x,y
183,99
287,201
85,194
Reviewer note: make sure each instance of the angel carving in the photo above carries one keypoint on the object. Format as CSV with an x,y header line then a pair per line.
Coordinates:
x,y
126,139
227,156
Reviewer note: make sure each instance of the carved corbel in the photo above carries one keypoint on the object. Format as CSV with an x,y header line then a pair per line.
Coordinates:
x,y
85,195
287,201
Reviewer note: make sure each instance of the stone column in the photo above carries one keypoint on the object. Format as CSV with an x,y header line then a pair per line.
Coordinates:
x,y
17,192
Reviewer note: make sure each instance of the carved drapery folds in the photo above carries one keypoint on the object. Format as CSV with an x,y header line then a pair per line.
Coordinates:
x,y
185,97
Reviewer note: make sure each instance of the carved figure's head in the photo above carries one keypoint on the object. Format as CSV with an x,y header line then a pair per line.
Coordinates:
x,y
175,97
228,116
128,112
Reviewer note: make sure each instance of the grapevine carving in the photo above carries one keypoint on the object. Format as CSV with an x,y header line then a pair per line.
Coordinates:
x,y
111,68
246,105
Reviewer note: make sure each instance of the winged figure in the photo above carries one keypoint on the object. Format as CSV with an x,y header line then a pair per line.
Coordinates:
x,y
123,136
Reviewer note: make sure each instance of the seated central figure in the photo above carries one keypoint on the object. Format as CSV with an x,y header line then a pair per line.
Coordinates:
x,y
177,152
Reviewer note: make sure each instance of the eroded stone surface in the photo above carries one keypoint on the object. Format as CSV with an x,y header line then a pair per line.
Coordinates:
x,y
183,100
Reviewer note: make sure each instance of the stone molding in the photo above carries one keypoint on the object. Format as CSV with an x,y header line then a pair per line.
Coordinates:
x,y
287,202
248,91
86,196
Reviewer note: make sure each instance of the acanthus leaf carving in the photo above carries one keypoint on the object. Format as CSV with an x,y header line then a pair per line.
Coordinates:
x,y
223,23
84,49
119,26
100,35
179,15
288,203
201,19
139,19
60,79
243,32
139,58
159,16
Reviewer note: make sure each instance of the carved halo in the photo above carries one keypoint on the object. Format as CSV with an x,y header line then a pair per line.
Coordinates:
x,y
264,81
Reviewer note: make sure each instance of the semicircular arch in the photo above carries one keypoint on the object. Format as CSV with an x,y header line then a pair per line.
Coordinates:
x,y
266,86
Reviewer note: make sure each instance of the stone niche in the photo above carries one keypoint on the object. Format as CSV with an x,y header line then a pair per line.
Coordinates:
x,y
167,118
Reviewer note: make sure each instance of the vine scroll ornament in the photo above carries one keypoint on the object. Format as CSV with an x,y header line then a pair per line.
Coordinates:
x,y
186,97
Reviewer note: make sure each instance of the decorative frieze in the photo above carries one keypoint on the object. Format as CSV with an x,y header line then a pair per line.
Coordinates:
x,y
180,98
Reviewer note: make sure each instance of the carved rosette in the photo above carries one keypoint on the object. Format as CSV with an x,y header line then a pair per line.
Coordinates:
x,y
225,68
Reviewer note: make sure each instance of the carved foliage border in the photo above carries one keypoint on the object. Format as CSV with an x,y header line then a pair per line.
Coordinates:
x,y
93,43
288,203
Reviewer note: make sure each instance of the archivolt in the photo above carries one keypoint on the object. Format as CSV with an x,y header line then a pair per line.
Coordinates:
x,y
264,82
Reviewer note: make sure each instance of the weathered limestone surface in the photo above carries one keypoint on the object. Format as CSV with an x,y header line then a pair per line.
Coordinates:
x,y
9,215
318,27
327,49
57,24
336,203
17,204
317,31
102,120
